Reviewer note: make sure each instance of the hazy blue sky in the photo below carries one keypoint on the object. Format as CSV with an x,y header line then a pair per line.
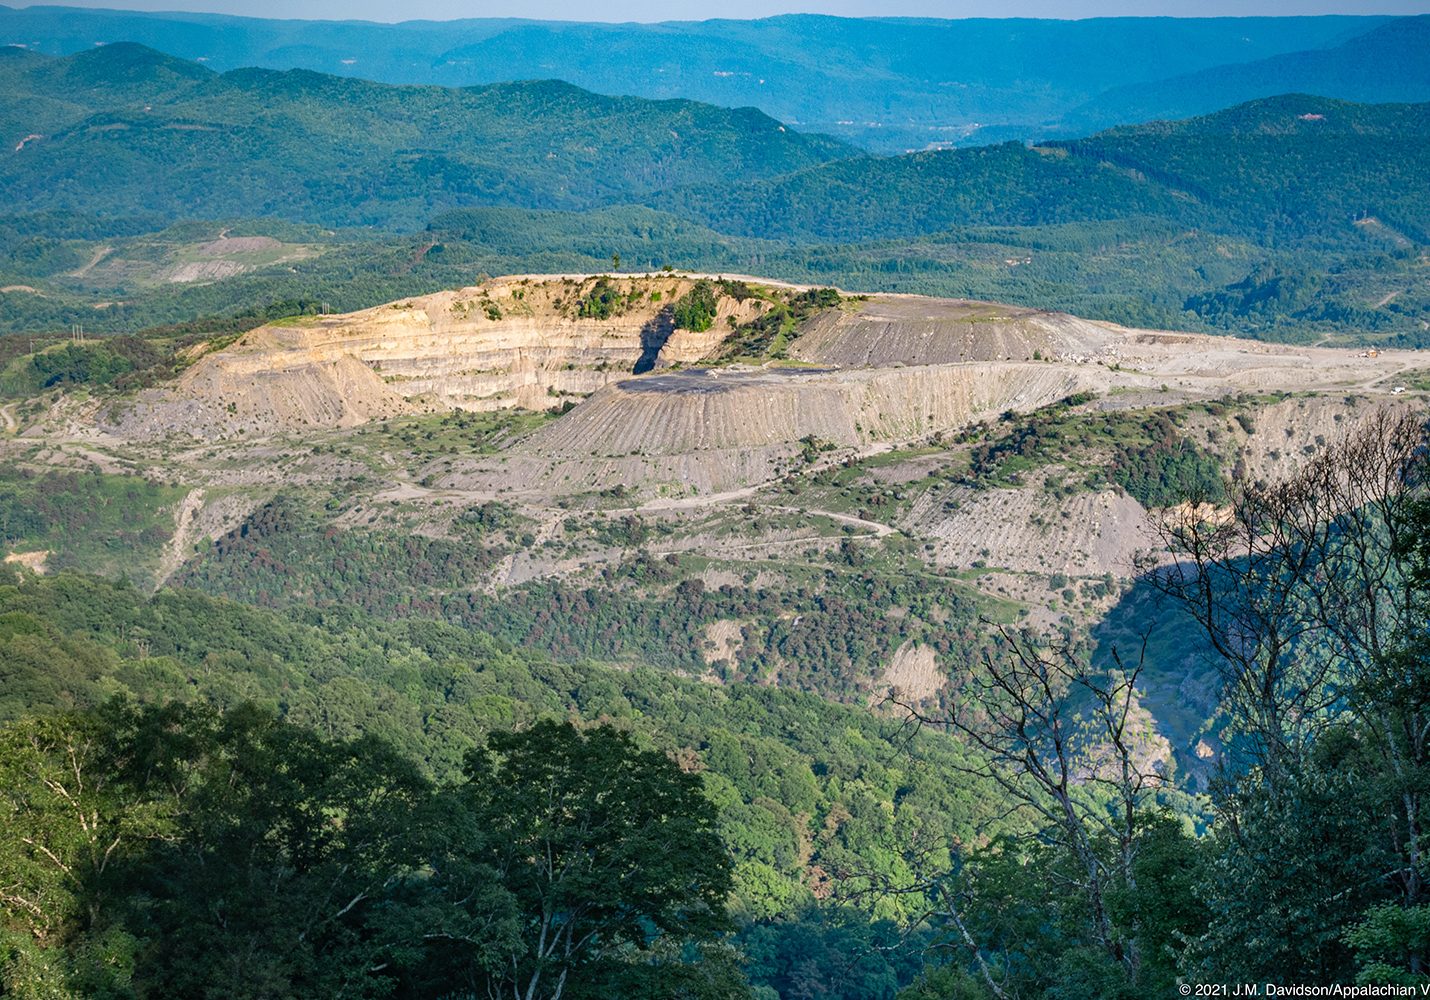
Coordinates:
x,y
662,10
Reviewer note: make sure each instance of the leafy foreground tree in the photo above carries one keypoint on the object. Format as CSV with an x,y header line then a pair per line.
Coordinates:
x,y
177,851
610,871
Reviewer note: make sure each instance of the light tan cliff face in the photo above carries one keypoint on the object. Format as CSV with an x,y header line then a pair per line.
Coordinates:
x,y
521,342
511,342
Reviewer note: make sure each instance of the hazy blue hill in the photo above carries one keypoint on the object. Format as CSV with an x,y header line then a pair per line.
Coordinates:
x,y
40,95
891,83
329,149
124,71
901,64
14,59
22,112
1390,63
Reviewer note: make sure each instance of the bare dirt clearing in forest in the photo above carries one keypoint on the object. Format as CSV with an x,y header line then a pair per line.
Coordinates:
x,y
33,561
226,245
99,254
185,518
913,674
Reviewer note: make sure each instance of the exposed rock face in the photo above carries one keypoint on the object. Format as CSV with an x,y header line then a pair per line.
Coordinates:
x,y
512,342
1086,534
913,673
723,429
522,342
241,393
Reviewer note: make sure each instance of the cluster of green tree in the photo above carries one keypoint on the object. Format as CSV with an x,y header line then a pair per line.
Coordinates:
x,y
283,554
602,301
769,334
1147,454
111,523
695,310
823,635
124,362
1267,293
806,789
177,851
1170,470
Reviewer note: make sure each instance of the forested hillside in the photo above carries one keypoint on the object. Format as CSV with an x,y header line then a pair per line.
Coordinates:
x,y
205,796
805,788
1287,167
339,151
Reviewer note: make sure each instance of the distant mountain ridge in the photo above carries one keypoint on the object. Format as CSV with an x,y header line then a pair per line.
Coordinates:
x,y
1388,64
339,150
890,83
334,150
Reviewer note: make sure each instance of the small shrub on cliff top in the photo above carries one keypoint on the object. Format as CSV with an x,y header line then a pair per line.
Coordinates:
x,y
695,310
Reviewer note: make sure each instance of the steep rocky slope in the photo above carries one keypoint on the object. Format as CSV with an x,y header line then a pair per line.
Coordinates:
x,y
714,429
916,330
